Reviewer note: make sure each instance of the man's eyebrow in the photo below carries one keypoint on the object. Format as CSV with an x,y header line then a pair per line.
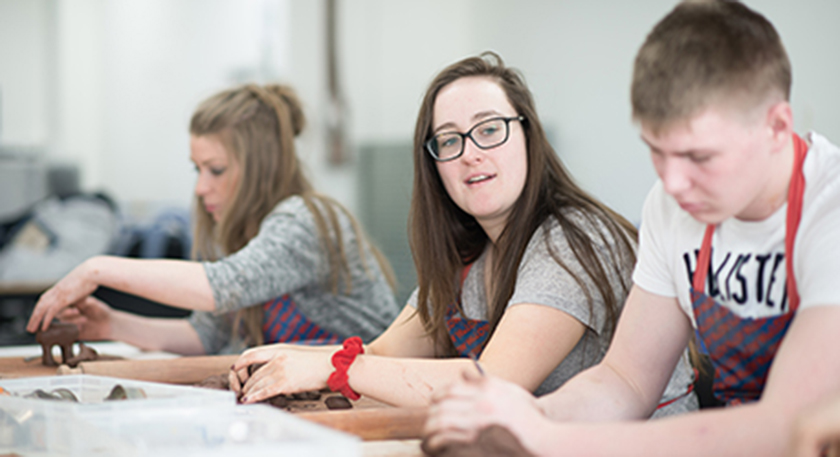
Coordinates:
x,y
689,152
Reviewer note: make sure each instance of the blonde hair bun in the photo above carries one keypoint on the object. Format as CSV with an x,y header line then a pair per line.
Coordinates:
x,y
291,100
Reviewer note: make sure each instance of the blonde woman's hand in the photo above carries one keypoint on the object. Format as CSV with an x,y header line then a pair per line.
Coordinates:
x,y
460,412
92,316
70,289
286,370
817,431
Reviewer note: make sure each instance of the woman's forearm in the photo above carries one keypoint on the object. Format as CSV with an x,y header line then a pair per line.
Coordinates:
x,y
156,334
178,283
404,381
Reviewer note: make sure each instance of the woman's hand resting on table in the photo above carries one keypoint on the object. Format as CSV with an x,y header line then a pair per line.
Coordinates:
x,y
288,369
71,289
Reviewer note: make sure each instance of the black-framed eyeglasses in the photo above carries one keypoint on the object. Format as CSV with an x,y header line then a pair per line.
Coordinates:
x,y
486,134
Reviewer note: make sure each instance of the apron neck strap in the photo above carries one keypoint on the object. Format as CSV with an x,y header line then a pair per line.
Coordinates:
x,y
796,189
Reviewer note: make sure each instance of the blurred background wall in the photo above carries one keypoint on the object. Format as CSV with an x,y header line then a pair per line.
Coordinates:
x,y
109,85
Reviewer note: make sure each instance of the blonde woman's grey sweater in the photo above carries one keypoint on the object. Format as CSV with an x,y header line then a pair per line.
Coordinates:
x,y
287,257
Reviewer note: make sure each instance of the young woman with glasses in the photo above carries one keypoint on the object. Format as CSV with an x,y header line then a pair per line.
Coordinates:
x,y
279,262
518,268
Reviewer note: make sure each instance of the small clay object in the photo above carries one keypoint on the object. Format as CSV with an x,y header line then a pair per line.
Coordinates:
x,y
278,401
219,381
338,402
65,394
86,354
61,334
492,441
125,393
307,396
40,394
253,368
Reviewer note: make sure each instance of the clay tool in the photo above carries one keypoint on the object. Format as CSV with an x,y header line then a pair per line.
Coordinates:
x,y
477,365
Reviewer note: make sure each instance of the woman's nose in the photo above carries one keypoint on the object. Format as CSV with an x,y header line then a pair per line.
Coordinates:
x,y
201,185
472,153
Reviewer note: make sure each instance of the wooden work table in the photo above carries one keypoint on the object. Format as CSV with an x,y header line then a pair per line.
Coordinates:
x,y
386,431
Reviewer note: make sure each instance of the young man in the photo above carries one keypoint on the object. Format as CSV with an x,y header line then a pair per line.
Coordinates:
x,y
742,202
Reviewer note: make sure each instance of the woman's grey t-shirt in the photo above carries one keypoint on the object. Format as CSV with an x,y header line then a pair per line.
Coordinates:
x,y
287,257
542,281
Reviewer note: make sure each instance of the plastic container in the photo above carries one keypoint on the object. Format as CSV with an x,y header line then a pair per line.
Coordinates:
x,y
31,426
250,430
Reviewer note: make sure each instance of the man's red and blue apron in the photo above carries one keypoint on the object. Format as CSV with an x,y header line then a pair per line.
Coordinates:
x,y
742,349
284,323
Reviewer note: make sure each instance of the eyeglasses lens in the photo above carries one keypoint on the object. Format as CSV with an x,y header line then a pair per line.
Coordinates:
x,y
485,135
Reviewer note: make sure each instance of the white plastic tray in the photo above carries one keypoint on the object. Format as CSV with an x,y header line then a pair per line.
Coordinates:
x,y
251,430
31,426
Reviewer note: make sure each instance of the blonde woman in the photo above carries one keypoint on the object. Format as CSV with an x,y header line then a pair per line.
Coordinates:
x,y
278,261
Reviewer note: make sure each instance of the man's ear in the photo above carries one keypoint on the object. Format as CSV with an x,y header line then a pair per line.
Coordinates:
x,y
779,123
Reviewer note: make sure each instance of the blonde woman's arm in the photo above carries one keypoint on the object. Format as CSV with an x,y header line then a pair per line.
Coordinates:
x,y
178,283
98,321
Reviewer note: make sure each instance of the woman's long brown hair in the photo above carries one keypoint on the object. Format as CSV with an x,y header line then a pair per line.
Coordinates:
x,y
444,238
257,126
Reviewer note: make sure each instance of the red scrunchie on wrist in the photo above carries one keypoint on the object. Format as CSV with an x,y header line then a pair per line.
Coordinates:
x,y
341,360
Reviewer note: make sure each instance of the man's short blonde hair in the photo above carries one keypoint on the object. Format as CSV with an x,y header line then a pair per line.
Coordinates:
x,y
707,52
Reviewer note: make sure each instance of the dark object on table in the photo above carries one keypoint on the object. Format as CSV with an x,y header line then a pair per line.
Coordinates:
x,y
311,395
61,334
493,441
219,381
86,354
253,368
278,401
338,402
297,402
125,393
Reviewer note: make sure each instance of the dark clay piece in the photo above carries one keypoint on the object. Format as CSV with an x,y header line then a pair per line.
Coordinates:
x,y
219,381
253,368
61,334
493,441
86,354
278,401
338,402
309,396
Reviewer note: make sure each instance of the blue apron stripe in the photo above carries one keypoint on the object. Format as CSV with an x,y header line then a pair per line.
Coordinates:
x,y
283,322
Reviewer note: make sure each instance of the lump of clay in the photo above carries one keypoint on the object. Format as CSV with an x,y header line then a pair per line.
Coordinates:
x,y
338,402
277,401
253,368
311,395
64,335
60,394
494,441
125,393
86,354
219,381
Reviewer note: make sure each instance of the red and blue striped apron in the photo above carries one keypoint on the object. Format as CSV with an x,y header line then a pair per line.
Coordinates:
x,y
742,349
284,323
468,335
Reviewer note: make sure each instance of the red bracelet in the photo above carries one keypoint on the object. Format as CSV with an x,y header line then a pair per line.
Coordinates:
x,y
341,360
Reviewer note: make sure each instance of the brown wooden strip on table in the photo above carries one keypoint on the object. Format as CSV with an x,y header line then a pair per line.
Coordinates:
x,y
374,423
183,370
18,367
